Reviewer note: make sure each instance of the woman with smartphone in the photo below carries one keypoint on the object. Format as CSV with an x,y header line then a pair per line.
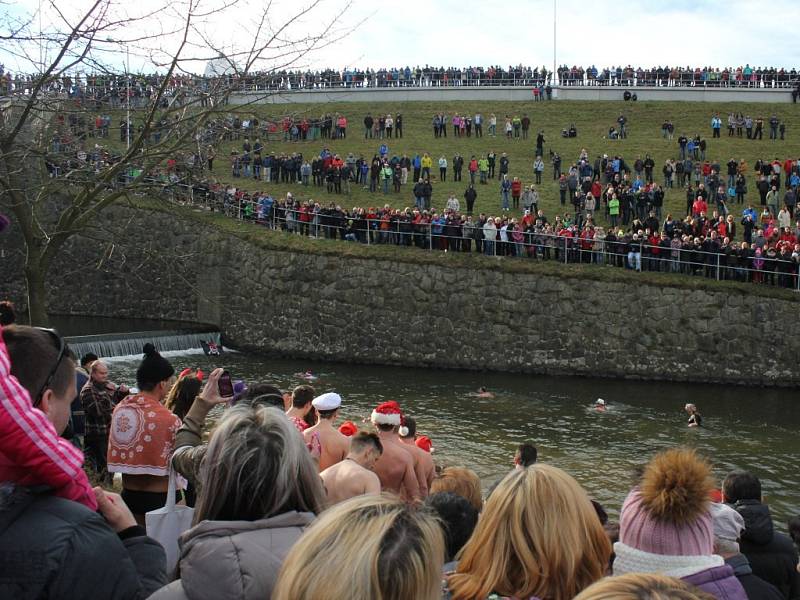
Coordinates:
x,y
258,491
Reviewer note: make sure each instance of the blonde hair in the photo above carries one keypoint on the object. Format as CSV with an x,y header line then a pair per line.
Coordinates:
x,y
388,551
639,586
461,481
539,535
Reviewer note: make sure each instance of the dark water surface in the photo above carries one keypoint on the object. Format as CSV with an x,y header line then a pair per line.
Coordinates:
x,y
746,428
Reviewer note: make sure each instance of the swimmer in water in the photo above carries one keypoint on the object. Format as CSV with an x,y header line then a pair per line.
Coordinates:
x,y
308,376
484,393
695,419
600,405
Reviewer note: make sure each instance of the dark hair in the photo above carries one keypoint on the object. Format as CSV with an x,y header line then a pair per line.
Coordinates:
x,y
363,439
527,454
264,394
7,314
326,414
33,353
153,369
741,485
601,512
458,519
302,395
88,358
794,530
385,427
410,423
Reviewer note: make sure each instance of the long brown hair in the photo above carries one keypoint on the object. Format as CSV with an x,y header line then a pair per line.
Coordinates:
x,y
538,536
183,392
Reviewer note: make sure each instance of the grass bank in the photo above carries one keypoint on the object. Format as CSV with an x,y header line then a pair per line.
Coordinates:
x,y
592,120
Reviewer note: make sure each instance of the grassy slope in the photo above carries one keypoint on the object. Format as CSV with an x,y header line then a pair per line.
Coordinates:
x,y
592,120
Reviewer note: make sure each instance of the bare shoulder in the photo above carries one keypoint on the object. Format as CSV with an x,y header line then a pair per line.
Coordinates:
x,y
331,470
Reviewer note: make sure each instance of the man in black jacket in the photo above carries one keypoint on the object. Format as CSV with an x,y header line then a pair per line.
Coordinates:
x,y
470,195
368,122
728,527
772,555
56,548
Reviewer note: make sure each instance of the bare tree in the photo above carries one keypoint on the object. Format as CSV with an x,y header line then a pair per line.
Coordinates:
x,y
59,168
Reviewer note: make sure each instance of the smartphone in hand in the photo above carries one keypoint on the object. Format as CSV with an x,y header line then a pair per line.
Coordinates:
x,y
225,385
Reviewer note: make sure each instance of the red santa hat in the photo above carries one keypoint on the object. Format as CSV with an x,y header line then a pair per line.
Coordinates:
x,y
388,413
348,428
425,443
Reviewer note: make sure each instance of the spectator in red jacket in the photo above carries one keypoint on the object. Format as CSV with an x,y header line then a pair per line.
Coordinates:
x,y
516,191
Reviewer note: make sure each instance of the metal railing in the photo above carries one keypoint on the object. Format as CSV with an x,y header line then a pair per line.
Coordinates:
x,y
113,88
780,271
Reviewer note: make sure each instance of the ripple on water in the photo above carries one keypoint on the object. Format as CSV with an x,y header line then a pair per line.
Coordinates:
x,y
601,450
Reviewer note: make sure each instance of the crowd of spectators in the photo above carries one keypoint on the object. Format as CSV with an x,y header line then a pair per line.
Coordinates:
x,y
290,505
612,210
611,207
114,89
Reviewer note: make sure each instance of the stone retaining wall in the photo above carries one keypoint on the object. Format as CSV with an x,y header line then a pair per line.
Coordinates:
x,y
379,311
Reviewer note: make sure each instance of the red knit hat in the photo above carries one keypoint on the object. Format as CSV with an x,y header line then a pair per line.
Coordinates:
x,y
425,443
388,413
348,428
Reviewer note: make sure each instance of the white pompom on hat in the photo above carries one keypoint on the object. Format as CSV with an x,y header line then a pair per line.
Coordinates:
x,y
387,413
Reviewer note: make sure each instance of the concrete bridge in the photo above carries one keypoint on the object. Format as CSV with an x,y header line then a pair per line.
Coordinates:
x,y
512,93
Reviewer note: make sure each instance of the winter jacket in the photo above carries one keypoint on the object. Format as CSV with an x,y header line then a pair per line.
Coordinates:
x,y
31,452
56,548
772,555
234,559
720,582
754,586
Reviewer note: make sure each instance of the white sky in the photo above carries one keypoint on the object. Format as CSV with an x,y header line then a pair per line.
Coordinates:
x,y
467,32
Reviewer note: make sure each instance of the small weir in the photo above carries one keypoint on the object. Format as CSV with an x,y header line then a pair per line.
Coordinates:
x,y
129,344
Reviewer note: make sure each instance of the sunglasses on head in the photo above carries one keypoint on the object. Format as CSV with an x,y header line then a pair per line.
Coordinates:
x,y
62,352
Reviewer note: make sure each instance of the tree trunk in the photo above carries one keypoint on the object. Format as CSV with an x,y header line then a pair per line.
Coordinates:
x,y
37,298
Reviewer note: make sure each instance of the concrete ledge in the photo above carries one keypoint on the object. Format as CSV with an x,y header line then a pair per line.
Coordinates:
x,y
678,94
512,94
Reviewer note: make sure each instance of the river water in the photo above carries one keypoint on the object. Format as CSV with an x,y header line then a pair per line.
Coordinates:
x,y
745,428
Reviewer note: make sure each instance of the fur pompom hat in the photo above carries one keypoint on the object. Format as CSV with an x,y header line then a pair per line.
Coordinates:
x,y
668,513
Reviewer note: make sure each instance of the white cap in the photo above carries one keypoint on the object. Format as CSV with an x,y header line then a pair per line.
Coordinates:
x,y
601,402
327,401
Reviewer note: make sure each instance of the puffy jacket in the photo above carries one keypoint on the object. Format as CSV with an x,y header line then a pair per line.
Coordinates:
x,y
720,582
754,586
234,559
57,548
772,555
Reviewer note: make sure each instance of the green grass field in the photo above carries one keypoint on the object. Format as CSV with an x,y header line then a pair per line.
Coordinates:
x,y
592,120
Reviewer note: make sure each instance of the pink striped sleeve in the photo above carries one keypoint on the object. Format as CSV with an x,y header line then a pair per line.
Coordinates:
x,y
30,442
